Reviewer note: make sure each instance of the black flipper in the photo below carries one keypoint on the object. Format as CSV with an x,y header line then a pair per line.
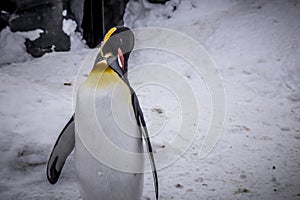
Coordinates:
x,y
63,147
143,128
113,63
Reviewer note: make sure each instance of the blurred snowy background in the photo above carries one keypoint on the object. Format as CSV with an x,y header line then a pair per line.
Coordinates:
x,y
256,47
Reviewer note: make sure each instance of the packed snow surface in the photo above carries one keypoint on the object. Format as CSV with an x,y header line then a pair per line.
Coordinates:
x,y
256,48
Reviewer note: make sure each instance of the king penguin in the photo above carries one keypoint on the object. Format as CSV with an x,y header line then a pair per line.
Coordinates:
x,y
106,129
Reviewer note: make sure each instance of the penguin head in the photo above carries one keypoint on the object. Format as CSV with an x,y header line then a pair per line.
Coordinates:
x,y
117,46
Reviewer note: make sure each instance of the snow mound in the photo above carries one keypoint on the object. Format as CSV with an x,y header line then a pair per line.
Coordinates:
x,y
142,13
77,42
12,47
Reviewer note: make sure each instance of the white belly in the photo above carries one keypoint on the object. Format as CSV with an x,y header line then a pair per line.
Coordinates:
x,y
109,156
97,181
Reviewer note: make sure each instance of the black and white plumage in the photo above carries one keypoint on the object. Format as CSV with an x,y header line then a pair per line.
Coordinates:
x,y
96,180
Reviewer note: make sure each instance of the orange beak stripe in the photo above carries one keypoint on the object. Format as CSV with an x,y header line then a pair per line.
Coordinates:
x,y
109,33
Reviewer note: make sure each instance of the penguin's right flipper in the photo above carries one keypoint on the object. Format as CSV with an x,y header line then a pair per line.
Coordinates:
x,y
63,147
141,123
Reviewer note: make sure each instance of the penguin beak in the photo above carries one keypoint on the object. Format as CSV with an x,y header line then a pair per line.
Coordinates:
x,y
121,59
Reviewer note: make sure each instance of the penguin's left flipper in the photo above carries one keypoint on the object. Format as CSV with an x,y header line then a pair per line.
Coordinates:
x,y
63,147
143,128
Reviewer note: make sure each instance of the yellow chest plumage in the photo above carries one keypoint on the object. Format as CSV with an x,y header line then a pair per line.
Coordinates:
x,y
104,105
102,76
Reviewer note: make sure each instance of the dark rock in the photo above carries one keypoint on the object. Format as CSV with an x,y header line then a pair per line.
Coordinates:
x,y
8,6
34,50
6,9
28,20
3,20
45,15
58,41
28,4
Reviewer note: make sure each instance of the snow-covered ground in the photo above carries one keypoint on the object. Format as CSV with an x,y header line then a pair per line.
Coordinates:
x,y
256,47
